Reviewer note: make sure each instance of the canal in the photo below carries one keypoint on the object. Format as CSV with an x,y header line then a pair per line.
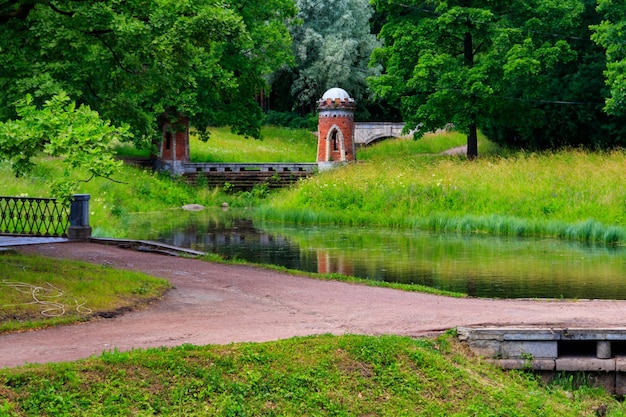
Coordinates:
x,y
480,266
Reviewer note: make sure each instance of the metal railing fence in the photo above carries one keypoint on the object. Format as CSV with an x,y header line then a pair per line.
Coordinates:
x,y
28,216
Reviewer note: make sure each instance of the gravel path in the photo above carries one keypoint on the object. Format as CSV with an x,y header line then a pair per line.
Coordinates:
x,y
219,304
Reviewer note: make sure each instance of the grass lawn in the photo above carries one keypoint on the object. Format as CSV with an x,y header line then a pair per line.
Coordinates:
x,y
38,292
308,376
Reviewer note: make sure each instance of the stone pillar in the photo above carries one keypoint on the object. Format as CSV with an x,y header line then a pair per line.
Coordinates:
x,y
603,349
335,128
79,218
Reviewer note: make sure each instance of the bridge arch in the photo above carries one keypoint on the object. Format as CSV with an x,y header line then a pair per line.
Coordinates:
x,y
367,133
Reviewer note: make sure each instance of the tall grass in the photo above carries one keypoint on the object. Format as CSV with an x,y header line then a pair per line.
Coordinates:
x,y
569,194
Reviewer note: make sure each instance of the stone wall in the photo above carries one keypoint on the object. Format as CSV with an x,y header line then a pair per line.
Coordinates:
x,y
600,353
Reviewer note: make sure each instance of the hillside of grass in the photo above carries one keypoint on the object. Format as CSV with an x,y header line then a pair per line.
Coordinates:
x,y
277,144
309,376
570,194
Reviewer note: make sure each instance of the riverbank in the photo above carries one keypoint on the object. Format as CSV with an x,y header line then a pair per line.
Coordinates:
x,y
571,194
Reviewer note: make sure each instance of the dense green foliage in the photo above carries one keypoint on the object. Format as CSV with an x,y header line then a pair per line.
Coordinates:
x,y
291,119
321,376
138,64
611,35
60,129
567,109
39,292
133,61
526,73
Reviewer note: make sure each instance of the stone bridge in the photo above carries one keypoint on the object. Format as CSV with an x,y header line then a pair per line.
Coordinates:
x,y
366,133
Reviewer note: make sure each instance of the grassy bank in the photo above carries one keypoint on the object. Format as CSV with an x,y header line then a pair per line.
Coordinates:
x,y
133,191
321,376
569,194
39,292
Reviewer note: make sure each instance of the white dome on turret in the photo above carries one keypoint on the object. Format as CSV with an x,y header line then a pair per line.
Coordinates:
x,y
336,93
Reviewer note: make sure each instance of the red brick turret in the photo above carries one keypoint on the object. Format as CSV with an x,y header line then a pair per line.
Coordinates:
x,y
336,127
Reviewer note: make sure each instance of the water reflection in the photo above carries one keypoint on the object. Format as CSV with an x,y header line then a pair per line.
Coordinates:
x,y
476,265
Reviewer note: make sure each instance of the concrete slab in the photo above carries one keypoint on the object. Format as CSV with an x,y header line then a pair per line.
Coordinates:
x,y
7,241
531,349
529,334
594,334
620,364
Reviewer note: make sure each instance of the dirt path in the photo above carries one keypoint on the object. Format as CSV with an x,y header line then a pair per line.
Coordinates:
x,y
219,304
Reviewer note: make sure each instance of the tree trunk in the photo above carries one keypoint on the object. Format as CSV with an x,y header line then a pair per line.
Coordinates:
x,y
472,137
472,142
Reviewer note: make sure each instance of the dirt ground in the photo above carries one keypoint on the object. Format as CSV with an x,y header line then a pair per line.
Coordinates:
x,y
220,304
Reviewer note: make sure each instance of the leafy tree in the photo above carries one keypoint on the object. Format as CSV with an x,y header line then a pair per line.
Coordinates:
x,y
134,60
471,62
611,34
60,128
567,110
332,43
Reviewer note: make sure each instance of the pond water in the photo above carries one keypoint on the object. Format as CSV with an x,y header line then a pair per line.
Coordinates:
x,y
479,266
